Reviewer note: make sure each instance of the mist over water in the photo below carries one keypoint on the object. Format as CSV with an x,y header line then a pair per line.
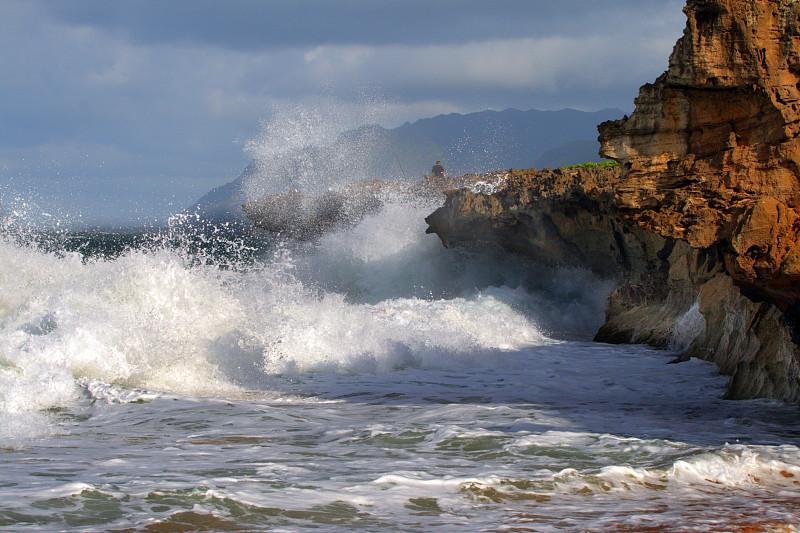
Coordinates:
x,y
162,314
188,378
302,147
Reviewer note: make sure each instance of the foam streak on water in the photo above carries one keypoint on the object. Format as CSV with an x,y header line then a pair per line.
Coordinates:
x,y
371,381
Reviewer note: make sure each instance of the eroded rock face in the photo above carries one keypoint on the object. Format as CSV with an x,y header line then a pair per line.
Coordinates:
x,y
559,217
691,305
711,155
671,295
702,224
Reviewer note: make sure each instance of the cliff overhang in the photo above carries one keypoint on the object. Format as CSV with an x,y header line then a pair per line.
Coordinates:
x,y
701,224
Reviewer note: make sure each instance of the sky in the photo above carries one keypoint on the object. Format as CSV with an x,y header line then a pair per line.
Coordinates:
x,y
125,111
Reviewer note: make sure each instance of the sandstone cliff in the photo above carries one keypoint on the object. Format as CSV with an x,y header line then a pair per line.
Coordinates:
x,y
711,154
711,157
703,221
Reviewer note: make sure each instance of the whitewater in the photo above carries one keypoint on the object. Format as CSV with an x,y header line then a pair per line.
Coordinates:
x,y
372,380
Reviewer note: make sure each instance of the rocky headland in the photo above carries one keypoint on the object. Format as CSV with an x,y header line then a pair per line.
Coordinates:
x,y
300,216
701,222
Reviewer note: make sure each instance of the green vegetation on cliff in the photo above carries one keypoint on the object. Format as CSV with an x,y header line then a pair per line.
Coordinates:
x,y
604,164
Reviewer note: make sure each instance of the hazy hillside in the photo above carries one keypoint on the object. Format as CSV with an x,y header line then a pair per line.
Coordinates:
x,y
492,140
476,142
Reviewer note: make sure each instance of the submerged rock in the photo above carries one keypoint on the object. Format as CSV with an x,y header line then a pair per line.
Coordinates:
x,y
702,223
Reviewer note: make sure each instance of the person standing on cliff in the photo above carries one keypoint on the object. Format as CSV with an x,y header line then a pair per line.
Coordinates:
x,y
438,170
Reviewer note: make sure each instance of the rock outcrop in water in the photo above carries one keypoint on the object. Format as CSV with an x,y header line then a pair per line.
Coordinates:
x,y
702,223
301,216
564,216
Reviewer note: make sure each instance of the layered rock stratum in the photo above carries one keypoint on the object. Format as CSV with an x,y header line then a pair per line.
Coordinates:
x,y
701,223
711,154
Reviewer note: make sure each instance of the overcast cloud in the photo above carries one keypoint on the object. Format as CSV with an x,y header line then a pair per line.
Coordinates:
x,y
125,110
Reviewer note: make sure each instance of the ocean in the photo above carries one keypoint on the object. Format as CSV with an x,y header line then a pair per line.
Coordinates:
x,y
373,380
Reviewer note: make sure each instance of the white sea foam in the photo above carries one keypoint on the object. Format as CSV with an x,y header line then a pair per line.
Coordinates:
x,y
369,381
718,471
155,320
444,484
493,183
697,474
114,393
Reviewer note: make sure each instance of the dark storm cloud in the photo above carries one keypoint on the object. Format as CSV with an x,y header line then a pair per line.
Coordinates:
x,y
127,97
256,25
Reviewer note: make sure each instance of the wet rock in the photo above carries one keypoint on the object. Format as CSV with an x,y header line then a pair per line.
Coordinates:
x,y
711,158
702,223
560,217
299,216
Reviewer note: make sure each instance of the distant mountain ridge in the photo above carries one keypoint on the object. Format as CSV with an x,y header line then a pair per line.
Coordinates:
x,y
472,143
492,140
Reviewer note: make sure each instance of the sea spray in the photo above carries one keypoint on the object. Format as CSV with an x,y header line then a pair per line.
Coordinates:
x,y
387,255
292,405
317,146
158,317
687,328
205,313
369,380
